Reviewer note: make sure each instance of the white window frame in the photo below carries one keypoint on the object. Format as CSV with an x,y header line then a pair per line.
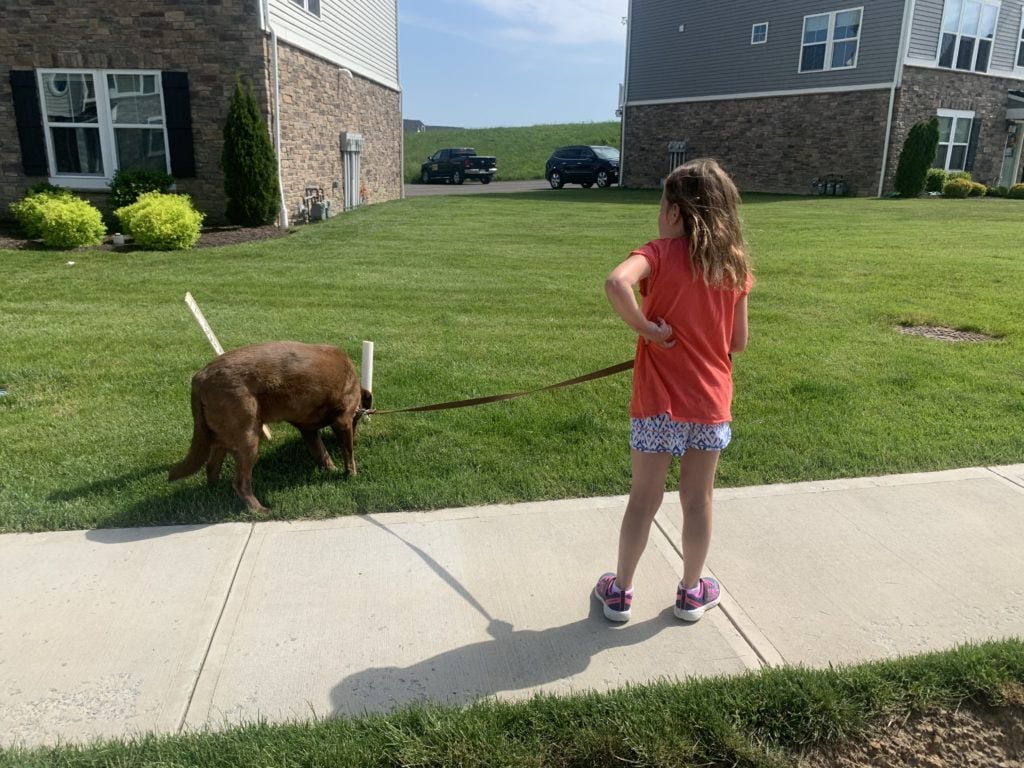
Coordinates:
x,y
960,35
955,115
1018,61
830,40
312,7
104,125
753,33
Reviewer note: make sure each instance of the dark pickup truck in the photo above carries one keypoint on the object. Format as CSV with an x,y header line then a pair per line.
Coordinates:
x,y
456,164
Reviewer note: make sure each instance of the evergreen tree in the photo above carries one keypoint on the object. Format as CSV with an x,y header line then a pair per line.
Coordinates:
x,y
916,158
248,162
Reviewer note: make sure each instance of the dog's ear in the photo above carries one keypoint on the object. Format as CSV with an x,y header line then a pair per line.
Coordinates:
x,y
366,398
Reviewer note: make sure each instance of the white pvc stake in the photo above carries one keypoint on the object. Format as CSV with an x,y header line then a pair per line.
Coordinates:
x,y
211,336
198,313
366,377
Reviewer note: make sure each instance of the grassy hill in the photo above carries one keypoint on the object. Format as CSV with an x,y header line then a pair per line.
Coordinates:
x,y
521,152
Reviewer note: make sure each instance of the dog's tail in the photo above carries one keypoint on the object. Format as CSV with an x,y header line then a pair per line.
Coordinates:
x,y
202,441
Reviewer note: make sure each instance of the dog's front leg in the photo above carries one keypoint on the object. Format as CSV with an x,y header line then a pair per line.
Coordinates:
x,y
317,449
343,430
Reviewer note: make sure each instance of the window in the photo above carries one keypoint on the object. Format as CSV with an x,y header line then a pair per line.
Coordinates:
x,y
759,33
954,140
968,29
97,122
1020,44
830,40
312,6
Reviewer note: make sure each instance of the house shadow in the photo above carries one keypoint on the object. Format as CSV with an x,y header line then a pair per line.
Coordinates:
x,y
511,660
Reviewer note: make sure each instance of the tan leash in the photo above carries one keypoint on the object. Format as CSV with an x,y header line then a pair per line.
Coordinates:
x,y
609,371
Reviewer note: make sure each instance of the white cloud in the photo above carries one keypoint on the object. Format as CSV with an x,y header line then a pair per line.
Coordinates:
x,y
570,22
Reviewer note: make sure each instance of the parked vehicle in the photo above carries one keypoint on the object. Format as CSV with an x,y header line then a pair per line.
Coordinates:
x,y
586,165
456,164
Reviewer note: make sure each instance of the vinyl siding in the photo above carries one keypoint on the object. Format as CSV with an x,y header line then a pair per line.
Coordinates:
x,y
924,35
360,35
714,57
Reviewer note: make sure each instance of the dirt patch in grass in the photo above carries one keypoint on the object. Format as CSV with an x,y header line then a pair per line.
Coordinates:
x,y
941,333
992,738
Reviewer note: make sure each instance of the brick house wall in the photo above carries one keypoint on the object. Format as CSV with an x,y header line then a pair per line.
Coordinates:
x,y
320,102
212,43
924,91
209,41
770,144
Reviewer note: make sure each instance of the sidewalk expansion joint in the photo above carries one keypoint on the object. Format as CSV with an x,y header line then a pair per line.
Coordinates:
x,y
737,625
216,628
1011,479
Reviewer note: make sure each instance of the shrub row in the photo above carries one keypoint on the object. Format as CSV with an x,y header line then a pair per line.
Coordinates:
x,y
156,220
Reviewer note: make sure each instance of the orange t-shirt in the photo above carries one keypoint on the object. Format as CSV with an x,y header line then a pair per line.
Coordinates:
x,y
692,381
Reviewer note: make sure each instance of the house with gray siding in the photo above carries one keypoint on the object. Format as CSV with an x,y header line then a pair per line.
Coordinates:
x,y
788,92
91,87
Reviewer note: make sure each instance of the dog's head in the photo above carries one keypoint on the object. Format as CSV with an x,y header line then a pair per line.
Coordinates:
x,y
365,404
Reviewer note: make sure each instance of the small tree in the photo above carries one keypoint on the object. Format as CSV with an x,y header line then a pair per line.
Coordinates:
x,y
248,162
916,158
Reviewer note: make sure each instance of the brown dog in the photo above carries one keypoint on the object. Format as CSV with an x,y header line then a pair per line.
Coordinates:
x,y
310,386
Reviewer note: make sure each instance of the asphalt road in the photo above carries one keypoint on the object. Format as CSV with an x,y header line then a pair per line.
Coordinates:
x,y
418,189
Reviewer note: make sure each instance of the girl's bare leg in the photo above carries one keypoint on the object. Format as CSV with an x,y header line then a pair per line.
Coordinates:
x,y
696,485
645,496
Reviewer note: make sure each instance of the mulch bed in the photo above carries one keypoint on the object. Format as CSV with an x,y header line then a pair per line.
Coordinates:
x,y
13,239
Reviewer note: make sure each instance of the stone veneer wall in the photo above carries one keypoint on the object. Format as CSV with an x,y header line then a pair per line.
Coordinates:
x,y
210,41
924,91
319,102
771,144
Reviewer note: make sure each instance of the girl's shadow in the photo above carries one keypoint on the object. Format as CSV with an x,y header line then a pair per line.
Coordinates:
x,y
511,660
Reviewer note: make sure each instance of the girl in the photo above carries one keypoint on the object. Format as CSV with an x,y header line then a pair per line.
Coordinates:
x,y
694,282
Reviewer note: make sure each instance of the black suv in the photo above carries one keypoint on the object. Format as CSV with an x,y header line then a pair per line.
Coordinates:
x,y
584,165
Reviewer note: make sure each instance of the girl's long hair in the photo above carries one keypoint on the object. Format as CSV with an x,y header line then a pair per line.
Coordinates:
x,y
709,204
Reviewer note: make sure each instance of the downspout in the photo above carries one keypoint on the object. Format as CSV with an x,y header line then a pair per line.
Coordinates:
x,y
897,80
625,100
283,219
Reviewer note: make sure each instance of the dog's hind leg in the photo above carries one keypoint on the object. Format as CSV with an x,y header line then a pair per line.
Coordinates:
x,y
214,463
317,449
245,458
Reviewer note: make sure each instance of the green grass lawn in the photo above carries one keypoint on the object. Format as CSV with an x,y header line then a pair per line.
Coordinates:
x,y
487,294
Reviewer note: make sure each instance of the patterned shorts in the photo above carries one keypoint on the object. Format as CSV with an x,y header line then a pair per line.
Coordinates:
x,y
660,434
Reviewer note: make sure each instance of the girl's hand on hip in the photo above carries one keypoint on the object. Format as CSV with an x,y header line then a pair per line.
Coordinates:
x,y
660,333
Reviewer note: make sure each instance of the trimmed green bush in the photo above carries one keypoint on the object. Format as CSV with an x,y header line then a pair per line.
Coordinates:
x,y
996,191
934,180
977,189
127,185
248,162
1016,192
29,210
162,222
916,158
958,175
957,188
70,222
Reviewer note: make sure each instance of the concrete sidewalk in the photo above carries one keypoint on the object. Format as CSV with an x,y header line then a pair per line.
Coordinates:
x,y
117,632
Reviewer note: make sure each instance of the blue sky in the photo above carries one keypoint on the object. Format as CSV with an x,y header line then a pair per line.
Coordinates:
x,y
487,63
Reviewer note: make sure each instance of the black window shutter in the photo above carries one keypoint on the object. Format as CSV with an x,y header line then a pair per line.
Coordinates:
x,y
178,111
29,120
972,144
